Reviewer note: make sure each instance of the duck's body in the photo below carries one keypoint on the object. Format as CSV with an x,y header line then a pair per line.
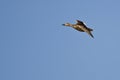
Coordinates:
x,y
80,26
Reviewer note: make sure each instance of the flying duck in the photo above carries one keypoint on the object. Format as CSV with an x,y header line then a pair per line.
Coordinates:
x,y
80,26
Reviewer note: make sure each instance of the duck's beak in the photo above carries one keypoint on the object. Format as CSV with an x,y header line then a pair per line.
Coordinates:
x,y
63,24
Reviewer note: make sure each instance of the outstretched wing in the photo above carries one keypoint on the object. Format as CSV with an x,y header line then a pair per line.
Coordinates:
x,y
83,24
79,22
90,34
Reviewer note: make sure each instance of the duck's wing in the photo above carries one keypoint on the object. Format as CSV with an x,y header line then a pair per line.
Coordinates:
x,y
89,32
90,29
79,22
83,24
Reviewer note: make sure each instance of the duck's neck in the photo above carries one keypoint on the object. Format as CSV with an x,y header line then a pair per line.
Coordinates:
x,y
72,25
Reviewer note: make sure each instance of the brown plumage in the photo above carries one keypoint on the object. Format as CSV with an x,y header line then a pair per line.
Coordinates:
x,y
80,26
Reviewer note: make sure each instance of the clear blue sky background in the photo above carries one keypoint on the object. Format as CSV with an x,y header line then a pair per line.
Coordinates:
x,y
35,46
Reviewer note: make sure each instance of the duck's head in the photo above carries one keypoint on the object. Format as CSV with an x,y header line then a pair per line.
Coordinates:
x,y
67,24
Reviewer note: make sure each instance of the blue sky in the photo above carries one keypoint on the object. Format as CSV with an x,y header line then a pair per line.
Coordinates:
x,y
35,46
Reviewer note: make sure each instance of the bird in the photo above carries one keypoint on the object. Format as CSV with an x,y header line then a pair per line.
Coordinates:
x,y
80,26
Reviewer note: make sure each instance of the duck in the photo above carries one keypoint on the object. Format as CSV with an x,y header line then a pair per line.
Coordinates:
x,y
80,26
